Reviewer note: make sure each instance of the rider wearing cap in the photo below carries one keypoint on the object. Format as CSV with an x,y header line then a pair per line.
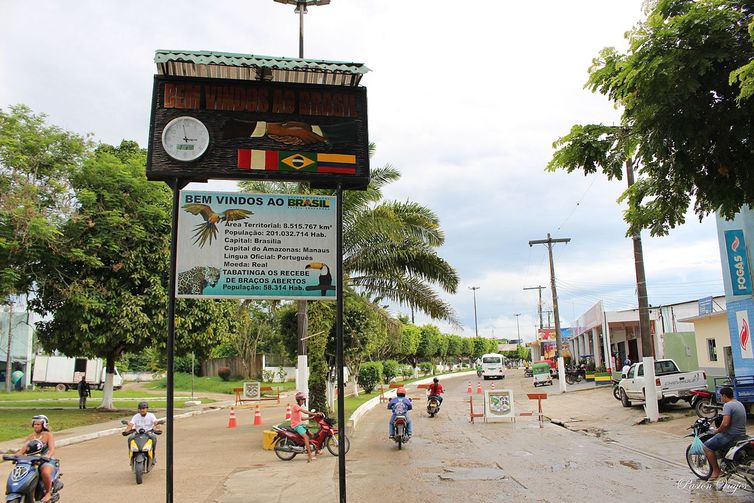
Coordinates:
x,y
299,425
147,421
400,406
42,443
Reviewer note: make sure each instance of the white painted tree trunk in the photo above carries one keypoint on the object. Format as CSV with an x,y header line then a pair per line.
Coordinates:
x,y
107,393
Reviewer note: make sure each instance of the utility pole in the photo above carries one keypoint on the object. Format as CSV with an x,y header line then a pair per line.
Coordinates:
x,y
539,306
647,346
474,289
549,241
518,330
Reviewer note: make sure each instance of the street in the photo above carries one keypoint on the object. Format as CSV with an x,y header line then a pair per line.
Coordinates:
x,y
599,453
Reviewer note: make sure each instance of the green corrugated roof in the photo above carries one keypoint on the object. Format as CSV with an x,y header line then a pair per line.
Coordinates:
x,y
252,67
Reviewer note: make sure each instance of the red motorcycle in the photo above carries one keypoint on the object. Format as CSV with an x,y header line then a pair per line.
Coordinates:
x,y
288,443
705,403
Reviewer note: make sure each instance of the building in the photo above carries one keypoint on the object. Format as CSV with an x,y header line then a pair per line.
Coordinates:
x,y
21,353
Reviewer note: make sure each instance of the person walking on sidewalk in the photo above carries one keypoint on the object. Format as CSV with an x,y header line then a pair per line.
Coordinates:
x,y
84,391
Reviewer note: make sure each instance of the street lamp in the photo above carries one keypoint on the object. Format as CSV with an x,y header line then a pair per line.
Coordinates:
x,y
474,289
301,6
518,331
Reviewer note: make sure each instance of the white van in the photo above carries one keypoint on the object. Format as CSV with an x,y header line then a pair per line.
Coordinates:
x,y
493,366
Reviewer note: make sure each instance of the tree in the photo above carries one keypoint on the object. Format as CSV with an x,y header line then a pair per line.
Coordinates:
x,y
104,282
410,336
429,342
685,86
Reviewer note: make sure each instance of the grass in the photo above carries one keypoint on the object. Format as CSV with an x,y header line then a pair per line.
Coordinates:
x,y
182,382
52,394
17,423
119,404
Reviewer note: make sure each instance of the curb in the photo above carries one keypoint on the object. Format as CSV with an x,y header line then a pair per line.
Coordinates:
x,y
370,404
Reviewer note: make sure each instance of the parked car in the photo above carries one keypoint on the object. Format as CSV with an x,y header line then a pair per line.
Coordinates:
x,y
672,384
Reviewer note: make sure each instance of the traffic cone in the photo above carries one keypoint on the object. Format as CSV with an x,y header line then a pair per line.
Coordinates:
x,y
257,417
468,389
288,412
493,387
479,387
232,418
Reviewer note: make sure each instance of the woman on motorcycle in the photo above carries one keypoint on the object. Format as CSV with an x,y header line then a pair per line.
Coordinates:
x,y
435,390
400,406
300,426
42,443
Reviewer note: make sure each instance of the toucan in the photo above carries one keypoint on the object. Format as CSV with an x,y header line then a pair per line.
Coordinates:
x,y
325,279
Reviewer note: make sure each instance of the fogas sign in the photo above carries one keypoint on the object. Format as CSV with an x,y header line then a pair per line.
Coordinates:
x,y
738,263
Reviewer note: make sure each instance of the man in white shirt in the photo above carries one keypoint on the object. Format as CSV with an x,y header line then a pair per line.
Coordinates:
x,y
148,421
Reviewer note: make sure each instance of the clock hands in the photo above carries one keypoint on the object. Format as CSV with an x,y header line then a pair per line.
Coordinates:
x,y
185,135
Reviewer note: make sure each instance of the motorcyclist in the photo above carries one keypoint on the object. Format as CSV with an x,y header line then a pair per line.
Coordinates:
x,y
147,421
732,429
42,443
435,390
300,426
400,405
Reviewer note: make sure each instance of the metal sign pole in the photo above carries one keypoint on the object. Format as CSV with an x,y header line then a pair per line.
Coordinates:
x,y
176,184
339,350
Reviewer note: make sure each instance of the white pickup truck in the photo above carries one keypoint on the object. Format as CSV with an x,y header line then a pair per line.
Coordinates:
x,y
672,384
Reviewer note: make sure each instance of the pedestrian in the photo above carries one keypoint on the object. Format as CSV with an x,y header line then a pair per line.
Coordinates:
x,y
84,392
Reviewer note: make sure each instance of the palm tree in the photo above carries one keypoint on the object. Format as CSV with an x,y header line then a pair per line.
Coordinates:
x,y
389,247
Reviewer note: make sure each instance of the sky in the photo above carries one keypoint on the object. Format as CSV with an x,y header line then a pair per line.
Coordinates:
x,y
465,100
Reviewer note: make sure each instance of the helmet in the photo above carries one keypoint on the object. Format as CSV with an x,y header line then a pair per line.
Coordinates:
x,y
401,391
300,396
143,405
34,447
435,380
41,418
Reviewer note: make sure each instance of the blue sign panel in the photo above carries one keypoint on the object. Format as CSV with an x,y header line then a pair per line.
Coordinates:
x,y
705,306
738,262
740,316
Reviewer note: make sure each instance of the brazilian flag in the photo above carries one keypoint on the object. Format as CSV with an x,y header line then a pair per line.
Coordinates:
x,y
297,162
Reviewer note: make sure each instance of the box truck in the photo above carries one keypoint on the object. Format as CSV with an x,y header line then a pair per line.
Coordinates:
x,y
65,373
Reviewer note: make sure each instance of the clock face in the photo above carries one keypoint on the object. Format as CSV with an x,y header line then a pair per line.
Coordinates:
x,y
185,138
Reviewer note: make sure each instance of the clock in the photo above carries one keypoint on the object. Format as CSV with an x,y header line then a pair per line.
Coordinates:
x,y
185,138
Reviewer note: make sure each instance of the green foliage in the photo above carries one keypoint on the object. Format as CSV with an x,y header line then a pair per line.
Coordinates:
x,y
370,375
426,367
523,352
224,373
35,162
407,371
268,375
429,341
390,369
455,346
409,343
685,87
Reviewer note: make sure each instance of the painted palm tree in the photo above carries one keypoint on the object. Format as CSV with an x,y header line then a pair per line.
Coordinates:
x,y
389,247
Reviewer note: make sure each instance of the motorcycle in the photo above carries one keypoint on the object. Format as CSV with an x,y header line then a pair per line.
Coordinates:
x,y
528,372
25,483
433,405
738,461
288,443
616,389
400,423
140,450
575,375
705,403
479,372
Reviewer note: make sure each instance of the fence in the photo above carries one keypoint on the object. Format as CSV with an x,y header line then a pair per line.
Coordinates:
x,y
235,364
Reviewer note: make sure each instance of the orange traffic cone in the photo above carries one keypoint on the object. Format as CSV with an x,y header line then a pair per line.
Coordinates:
x,y
257,417
288,412
232,418
479,387
493,387
468,389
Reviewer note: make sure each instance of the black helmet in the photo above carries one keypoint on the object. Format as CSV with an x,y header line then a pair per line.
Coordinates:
x,y
436,380
34,447
143,405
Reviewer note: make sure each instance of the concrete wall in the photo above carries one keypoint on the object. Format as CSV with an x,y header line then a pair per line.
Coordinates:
x,y
682,347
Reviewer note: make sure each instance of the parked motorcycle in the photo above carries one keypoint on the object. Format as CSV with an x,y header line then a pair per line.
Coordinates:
x,y
738,461
616,389
289,443
140,450
574,375
705,403
433,405
25,483
401,431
